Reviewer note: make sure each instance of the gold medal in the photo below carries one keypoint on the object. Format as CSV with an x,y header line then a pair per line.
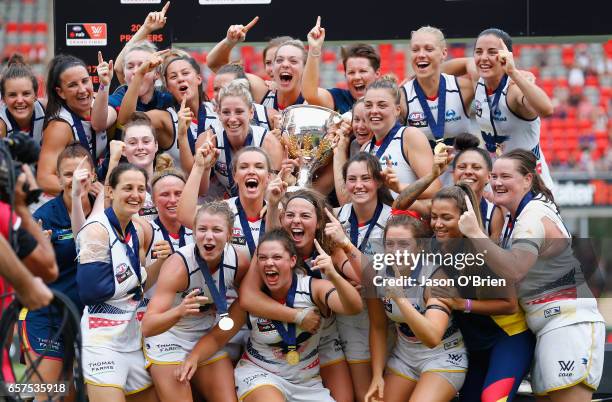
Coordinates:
x,y
498,150
440,147
293,357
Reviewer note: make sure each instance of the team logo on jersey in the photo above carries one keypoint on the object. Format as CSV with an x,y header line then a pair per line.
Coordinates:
x,y
550,312
417,119
478,108
452,344
265,325
86,34
221,167
122,273
388,305
497,115
451,115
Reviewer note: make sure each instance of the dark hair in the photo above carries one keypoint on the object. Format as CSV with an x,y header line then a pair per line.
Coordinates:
x,y
503,35
275,43
373,166
280,236
319,203
468,142
202,97
233,68
457,193
389,83
138,119
17,68
75,150
420,230
527,163
57,66
121,168
361,50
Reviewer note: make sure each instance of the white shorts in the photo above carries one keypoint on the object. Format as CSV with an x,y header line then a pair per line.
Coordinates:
x,y
109,368
330,346
249,376
568,356
449,360
168,348
355,341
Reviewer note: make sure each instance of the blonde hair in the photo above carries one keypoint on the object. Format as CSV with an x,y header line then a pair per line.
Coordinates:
x,y
295,43
239,88
428,29
388,82
216,208
164,167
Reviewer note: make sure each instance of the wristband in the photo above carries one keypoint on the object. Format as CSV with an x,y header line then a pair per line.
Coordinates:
x,y
346,244
102,87
314,52
299,317
468,306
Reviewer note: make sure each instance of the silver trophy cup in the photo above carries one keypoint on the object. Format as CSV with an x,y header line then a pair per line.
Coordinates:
x,y
307,132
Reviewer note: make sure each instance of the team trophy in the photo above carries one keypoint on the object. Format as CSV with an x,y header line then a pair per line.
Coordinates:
x,y
307,132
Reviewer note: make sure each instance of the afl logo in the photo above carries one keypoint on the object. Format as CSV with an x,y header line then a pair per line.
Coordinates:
x,y
417,116
237,232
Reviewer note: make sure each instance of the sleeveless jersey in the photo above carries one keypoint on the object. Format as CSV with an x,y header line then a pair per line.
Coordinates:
x,y
238,232
502,127
260,117
98,144
36,128
148,210
222,168
211,118
115,323
271,100
554,293
193,327
456,118
394,152
265,345
374,242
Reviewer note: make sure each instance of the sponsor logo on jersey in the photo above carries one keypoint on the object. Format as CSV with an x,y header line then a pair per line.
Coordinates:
x,y
550,312
86,34
451,115
455,358
251,378
122,273
497,116
566,368
265,325
101,367
417,119
452,344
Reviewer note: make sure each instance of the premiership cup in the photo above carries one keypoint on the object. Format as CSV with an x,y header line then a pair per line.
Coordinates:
x,y
305,130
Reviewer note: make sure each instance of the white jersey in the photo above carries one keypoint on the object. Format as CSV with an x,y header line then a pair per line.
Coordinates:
x,y
193,327
98,145
38,121
405,336
148,211
271,100
394,152
210,120
265,345
554,293
456,118
239,236
115,323
503,128
260,117
223,168
374,240
487,208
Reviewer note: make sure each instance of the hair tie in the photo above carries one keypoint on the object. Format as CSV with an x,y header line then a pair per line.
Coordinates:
x,y
408,212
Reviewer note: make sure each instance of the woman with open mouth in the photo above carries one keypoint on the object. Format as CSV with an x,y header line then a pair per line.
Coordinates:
x,y
508,104
281,362
235,133
405,149
287,69
262,116
21,110
361,67
359,229
190,301
111,282
72,115
435,103
536,256
304,218
182,78
428,361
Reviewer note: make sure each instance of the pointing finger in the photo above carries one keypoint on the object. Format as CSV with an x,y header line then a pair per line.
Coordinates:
x,y
81,162
165,9
250,25
503,45
100,58
319,248
470,208
184,102
330,215
318,24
